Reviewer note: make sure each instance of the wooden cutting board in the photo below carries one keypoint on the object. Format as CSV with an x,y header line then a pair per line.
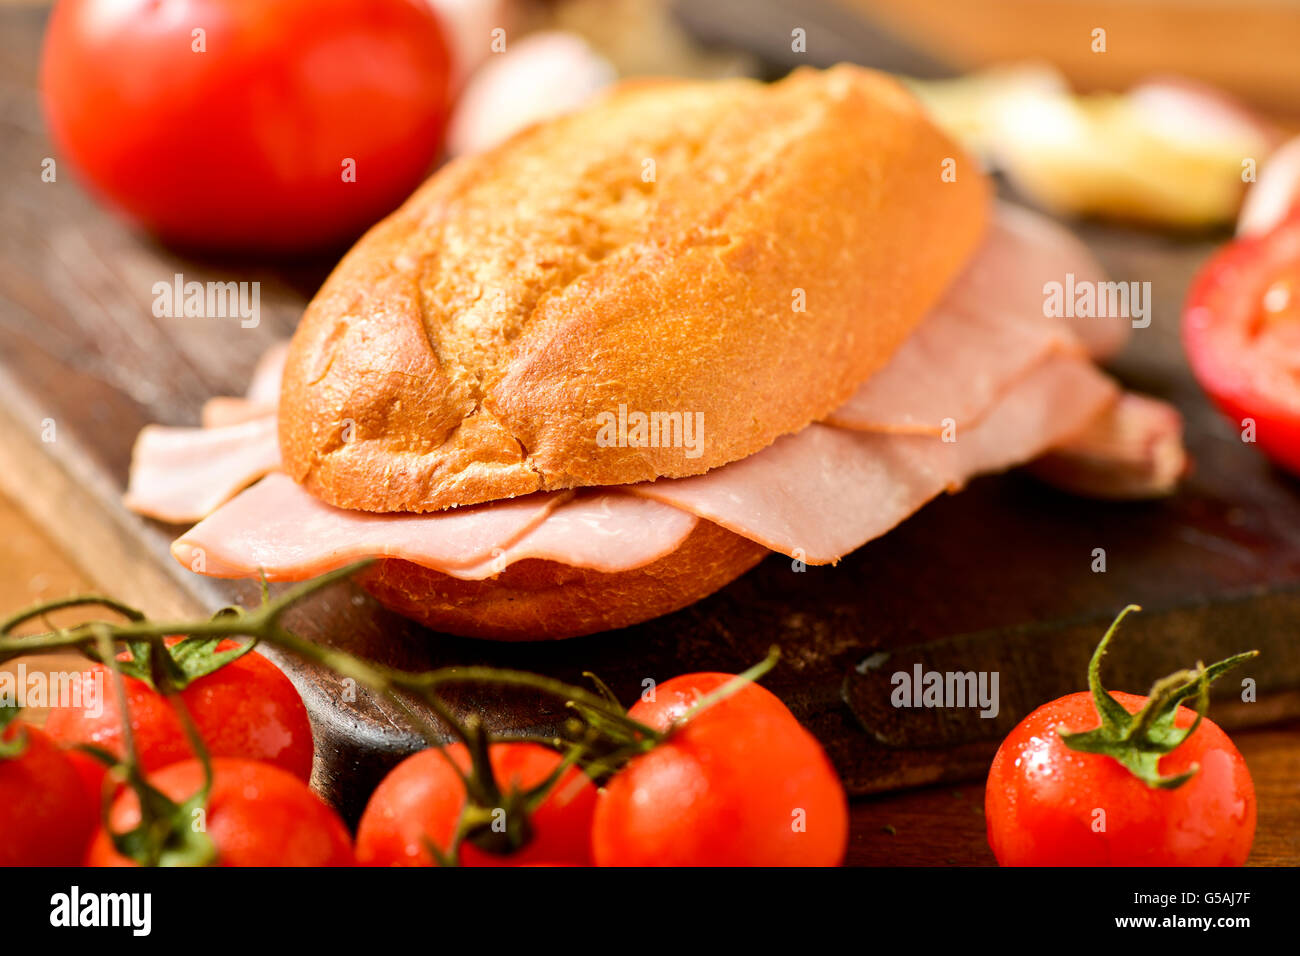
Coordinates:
x,y
997,578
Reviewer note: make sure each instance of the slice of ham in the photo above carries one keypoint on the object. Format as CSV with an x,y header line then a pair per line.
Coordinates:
x,y
823,492
278,529
1045,251
222,410
986,334
605,531
181,474
816,495
264,388
1133,450
262,397
971,348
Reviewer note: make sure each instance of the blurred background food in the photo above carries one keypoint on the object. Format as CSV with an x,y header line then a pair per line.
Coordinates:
x,y
1153,111
1166,152
1245,47
280,126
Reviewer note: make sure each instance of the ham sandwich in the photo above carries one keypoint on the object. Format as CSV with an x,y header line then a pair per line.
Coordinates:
x,y
472,467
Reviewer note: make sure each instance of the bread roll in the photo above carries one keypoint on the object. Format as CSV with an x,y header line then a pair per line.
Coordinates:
x,y
649,252
540,600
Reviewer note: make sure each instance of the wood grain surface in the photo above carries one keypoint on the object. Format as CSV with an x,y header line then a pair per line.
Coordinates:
x,y
997,578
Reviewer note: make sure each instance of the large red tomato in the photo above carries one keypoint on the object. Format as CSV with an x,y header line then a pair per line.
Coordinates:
x,y
1047,805
46,816
256,815
228,123
741,783
247,708
421,800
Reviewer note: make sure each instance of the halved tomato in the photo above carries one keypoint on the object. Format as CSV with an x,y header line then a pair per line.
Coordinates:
x,y
1241,330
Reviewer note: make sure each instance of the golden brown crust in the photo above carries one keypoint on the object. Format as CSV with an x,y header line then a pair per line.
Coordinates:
x,y
542,600
467,348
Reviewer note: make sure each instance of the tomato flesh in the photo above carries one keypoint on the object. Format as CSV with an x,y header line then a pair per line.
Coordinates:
x,y
1241,331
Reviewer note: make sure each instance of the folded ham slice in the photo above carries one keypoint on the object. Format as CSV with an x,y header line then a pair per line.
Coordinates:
x,y
605,531
815,495
262,397
1134,451
986,333
278,529
180,474
222,410
823,492
1038,250
264,388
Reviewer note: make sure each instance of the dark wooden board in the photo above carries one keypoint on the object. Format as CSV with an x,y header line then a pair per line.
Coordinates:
x,y
997,578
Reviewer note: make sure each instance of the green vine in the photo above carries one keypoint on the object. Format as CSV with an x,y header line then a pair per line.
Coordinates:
x,y
602,735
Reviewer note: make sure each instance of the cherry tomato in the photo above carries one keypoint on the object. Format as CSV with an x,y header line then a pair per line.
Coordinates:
x,y
256,815
740,784
671,700
1241,330
1048,805
46,815
422,799
246,708
232,123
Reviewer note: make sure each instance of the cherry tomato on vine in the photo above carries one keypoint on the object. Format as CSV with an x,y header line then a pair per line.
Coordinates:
x,y
246,708
671,700
46,815
741,783
255,815
422,798
1111,779
280,125
1047,805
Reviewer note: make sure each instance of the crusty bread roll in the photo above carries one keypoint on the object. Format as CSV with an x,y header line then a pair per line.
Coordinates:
x,y
540,600
648,251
